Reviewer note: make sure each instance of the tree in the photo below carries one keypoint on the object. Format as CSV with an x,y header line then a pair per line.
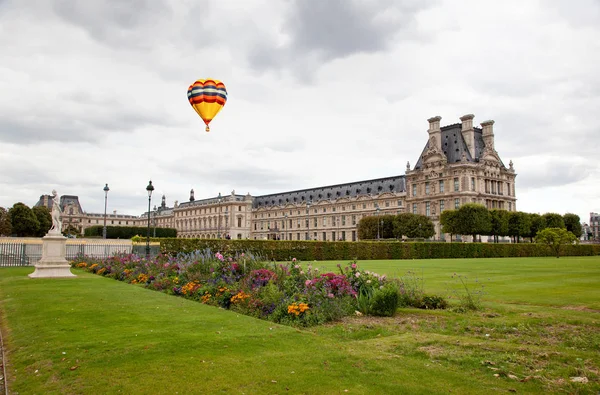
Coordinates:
x,y
420,226
448,219
473,219
537,223
5,224
401,222
367,228
519,225
499,224
23,220
554,220
44,218
573,224
555,238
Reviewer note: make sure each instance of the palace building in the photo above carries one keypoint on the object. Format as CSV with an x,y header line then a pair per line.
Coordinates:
x,y
458,165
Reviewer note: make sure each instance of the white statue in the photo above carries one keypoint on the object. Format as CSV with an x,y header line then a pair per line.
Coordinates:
x,y
56,211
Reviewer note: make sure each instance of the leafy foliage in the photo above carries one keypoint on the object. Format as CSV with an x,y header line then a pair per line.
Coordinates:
x,y
573,224
473,219
556,238
23,220
44,218
5,224
395,226
554,220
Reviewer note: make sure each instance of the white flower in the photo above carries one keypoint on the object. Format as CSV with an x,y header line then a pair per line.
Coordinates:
x,y
368,281
357,274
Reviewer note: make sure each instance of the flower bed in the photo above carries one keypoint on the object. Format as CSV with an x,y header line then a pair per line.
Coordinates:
x,y
284,293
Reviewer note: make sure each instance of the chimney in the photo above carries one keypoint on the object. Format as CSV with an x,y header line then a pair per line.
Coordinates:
x,y
435,132
468,133
488,133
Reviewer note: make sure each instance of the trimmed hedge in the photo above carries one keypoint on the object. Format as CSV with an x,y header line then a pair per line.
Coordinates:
x,y
281,250
127,232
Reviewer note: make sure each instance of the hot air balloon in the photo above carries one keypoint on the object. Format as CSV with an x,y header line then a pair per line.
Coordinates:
x,y
207,97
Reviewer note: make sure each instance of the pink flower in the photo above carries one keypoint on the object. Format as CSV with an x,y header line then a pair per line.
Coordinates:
x,y
357,274
296,266
330,295
293,259
307,283
353,266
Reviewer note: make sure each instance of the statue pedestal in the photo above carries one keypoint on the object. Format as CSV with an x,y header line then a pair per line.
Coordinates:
x,y
53,262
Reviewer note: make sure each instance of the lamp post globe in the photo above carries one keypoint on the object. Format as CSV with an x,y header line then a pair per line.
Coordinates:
x,y
149,189
105,189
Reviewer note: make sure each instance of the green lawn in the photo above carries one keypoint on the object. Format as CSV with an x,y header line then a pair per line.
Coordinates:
x,y
540,326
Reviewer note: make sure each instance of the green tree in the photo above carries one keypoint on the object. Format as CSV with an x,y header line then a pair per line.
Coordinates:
x,y
386,226
537,223
519,225
499,224
554,220
555,238
448,219
44,218
473,219
420,226
5,224
367,228
401,222
573,224
23,220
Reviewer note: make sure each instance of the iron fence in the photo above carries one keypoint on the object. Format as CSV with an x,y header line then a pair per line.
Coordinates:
x,y
26,252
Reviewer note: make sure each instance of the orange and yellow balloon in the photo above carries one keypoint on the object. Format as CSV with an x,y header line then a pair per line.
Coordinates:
x,y
207,97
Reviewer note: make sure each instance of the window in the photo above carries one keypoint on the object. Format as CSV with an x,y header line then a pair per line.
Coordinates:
x,y
364,205
414,208
509,206
324,209
441,206
427,209
324,221
354,207
414,189
456,184
343,220
472,183
399,203
456,203
239,208
316,222
441,186
427,188
354,220
387,204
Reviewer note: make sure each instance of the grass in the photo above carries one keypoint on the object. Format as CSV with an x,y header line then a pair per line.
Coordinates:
x,y
540,326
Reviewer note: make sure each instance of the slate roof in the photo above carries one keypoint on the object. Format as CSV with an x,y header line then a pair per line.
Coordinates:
x,y
352,189
454,145
66,200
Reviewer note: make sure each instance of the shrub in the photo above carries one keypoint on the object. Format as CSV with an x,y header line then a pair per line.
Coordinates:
x,y
385,300
433,302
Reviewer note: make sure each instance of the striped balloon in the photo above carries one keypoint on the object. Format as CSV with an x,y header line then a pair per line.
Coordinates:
x,y
207,97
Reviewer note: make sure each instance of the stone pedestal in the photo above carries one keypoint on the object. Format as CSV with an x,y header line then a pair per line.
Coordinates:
x,y
53,262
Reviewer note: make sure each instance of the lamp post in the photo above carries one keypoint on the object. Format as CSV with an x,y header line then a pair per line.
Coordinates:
x,y
106,189
149,189
377,214
219,219
308,219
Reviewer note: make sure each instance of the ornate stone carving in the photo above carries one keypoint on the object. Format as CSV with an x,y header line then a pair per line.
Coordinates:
x,y
56,228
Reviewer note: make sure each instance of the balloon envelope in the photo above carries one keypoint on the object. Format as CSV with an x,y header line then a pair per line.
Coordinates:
x,y
207,97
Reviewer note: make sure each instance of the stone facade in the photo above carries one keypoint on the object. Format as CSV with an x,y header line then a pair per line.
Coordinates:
x,y
594,226
458,165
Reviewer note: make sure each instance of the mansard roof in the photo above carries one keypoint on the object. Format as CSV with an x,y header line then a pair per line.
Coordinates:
x,y
351,189
213,200
454,145
66,200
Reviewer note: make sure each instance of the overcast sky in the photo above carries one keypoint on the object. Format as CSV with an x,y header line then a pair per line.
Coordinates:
x,y
321,92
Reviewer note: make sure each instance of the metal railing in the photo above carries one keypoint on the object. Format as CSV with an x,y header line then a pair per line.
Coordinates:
x,y
28,251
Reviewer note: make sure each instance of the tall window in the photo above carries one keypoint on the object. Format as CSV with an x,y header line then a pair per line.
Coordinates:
x,y
427,188
472,183
414,189
399,203
414,208
343,220
324,221
456,203
354,220
456,184
441,186
441,206
239,222
427,209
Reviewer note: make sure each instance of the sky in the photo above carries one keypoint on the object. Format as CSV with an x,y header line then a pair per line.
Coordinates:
x,y
319,93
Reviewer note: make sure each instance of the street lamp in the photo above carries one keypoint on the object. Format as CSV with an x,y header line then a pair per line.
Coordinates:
x,y
149,189
308,219
106,189
219,220
283,227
